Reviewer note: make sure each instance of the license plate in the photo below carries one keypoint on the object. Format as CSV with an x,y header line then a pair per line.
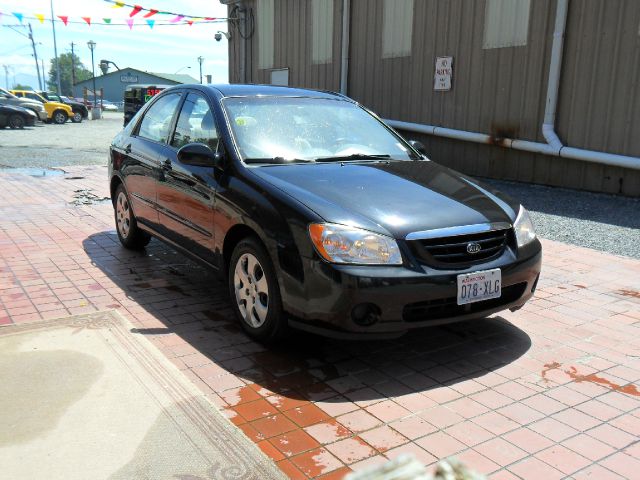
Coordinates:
x,y
479,286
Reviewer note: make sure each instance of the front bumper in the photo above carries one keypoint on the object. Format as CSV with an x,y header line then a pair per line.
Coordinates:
x,y
42,115
404,297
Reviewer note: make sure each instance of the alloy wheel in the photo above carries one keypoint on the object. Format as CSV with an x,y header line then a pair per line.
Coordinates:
x,y
252,290
123,215
59,118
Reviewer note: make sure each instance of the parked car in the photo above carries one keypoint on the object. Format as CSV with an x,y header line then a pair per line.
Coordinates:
x,y
318,215
79,111
8,98
109,106
16,117
56,112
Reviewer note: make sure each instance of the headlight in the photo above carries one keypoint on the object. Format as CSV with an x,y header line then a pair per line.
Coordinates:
x,y
343,244
525,233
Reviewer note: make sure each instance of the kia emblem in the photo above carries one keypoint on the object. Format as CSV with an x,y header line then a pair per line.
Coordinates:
x,y
473,247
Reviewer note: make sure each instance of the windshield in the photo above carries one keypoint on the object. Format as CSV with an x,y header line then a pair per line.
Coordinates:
x,y
282,129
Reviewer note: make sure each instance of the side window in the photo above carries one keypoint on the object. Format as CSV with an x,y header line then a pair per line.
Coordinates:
x,y
156,122
195,124
33,96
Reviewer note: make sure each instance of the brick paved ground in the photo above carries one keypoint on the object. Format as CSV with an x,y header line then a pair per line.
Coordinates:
x,y
547,392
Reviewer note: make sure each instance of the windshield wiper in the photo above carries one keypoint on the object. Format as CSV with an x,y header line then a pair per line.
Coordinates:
x,y
353,156
278,160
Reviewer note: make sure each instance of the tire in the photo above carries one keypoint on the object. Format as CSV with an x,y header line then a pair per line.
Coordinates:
x,y
16,121
77,117
59,117
254,292
131,237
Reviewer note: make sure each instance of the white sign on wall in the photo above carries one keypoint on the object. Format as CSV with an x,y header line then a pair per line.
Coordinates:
x,y
128,78
444,72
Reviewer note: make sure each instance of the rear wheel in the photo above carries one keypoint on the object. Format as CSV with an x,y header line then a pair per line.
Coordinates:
x,y
77,117
254,292
60,117
16,121
130,235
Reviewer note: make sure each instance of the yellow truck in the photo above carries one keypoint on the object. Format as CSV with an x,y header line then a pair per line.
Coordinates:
x,y
56,112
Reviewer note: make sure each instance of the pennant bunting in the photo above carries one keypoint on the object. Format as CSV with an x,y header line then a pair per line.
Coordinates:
x,y
135,11
64,18
151,13
87,19
130,23
118,5
40,17
190,22
106,20
177,18
150,23
19,16
209,18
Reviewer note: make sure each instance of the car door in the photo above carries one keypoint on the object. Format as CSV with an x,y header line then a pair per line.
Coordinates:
x,y
186,193
146,146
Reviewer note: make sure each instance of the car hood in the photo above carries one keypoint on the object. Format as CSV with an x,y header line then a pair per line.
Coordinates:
x,y
398,197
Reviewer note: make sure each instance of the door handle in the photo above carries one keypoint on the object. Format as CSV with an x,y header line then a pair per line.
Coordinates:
x,y
166,165
127,149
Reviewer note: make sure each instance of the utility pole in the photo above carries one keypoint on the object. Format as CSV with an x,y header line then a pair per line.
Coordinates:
x,y
55,50
6,76
73,67
35,55
43,77
200,60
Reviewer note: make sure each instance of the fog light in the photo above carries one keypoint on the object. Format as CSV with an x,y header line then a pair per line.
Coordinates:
x,y
365,314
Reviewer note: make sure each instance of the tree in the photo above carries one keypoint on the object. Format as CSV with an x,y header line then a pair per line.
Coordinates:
x,y
19,86
66,61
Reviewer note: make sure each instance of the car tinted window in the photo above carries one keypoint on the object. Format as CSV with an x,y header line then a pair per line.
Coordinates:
x,y
195,124
156,122
33,96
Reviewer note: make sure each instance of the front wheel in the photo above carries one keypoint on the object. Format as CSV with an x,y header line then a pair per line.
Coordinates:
x,y
16,121
60,117
77,117
129,233
254,292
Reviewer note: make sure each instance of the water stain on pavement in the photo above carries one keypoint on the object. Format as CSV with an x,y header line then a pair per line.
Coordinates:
x,y
38,387
85,196
572,372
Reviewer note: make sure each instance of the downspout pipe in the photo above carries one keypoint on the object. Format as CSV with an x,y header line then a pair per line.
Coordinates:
x,y
554,146
344,65
555,69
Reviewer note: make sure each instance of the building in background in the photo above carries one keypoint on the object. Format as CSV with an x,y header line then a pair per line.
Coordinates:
x,y
478,68
114,83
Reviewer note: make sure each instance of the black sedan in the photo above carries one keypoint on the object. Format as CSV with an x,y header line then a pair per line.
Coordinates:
x,y
16,117
318,215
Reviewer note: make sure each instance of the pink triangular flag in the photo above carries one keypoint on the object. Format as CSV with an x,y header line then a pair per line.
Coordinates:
x,y
64,19
130,23
87,19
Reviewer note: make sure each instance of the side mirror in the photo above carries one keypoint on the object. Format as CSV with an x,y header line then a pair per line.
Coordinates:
x,y
199,155
419,146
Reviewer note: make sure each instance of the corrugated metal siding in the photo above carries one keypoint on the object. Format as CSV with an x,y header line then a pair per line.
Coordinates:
x,y
500,91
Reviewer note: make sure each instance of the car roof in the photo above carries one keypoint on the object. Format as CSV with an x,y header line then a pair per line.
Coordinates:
x,y
238,90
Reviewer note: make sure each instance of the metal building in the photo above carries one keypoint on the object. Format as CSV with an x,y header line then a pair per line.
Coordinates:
x,y
114,83
478,78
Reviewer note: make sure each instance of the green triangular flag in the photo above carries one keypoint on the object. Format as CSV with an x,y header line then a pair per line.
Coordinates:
x,y
107,20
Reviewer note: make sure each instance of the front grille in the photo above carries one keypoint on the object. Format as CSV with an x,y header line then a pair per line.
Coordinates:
x,y
448,307
452,251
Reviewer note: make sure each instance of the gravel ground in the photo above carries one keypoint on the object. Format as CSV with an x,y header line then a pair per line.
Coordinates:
x,y
609,223
50,145
604,222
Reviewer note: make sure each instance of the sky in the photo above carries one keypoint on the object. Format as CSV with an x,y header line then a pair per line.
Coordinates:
x,y
164,49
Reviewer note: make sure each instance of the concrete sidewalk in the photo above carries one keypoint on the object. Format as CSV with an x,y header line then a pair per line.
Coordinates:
x,y
551,391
